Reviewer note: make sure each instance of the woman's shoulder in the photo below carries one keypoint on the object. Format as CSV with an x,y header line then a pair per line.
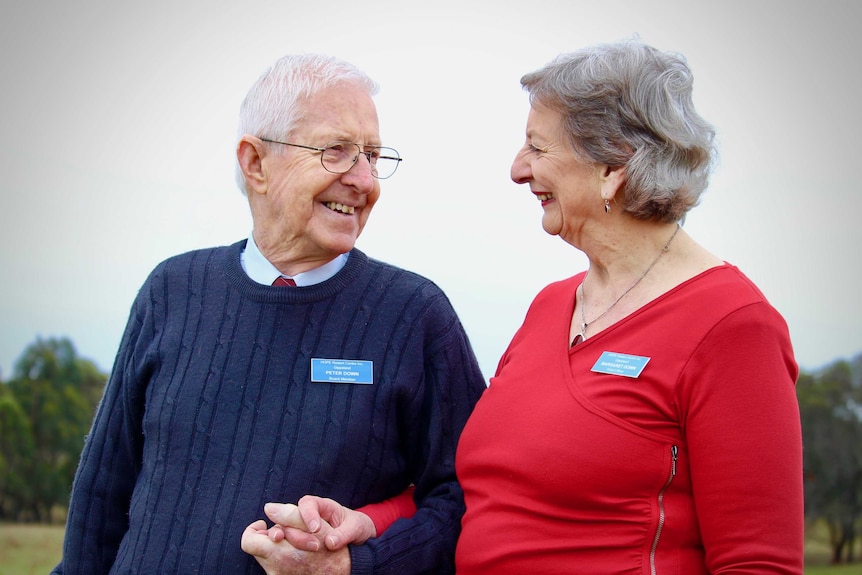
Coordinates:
x,y
724,282
721,295
560,288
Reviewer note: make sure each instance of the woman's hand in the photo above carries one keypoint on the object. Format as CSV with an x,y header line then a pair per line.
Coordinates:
x,y
318,522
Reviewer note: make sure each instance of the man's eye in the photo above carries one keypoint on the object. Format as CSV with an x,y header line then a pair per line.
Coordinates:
x,y
336,149
373,154
336,152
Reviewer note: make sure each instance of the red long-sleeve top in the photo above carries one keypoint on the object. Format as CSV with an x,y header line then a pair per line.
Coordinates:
x,y
570,464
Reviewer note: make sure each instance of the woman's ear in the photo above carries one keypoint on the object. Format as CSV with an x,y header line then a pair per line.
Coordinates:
x,y
612,179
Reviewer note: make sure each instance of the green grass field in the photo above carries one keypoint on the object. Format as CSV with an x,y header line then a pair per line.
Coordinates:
x,y
817,555
27,549
833,570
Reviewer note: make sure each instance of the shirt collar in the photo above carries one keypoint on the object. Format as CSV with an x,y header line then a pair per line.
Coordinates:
x,y
259,269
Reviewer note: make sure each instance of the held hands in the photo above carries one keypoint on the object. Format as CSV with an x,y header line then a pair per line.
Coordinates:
x,y
307,538
318,521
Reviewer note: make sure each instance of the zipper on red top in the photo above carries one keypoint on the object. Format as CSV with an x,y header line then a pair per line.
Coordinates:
x,y
674,452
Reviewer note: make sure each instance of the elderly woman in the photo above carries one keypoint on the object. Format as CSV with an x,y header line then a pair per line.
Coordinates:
x,y
644,418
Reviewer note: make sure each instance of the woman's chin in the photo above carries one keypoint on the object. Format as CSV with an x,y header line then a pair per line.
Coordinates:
x,y
551,226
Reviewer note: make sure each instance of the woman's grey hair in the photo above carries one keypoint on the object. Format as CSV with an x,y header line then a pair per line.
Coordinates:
x,y
273,105
628,104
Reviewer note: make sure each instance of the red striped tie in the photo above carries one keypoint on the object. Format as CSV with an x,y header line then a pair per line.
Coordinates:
x,y
284,282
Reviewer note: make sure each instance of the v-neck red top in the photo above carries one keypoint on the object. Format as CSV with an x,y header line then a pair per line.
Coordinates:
x,y
692,467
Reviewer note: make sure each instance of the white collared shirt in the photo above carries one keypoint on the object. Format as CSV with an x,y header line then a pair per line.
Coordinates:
x,y
259,269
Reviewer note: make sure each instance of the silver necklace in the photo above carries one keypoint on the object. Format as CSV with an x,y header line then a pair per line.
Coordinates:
x,y
584,324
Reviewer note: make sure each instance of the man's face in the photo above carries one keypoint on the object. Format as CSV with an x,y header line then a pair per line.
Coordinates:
x,y
308,216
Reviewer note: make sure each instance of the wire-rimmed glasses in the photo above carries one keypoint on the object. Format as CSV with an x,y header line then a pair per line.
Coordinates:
x,y
338,157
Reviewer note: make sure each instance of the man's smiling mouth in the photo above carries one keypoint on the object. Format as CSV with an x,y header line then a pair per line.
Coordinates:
x,y
341,208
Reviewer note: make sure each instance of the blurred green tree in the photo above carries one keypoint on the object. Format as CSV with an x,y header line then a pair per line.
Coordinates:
x,y
830,404
45,413
16,449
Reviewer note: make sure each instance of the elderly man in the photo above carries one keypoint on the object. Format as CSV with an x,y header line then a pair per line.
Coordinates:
x,y
286,364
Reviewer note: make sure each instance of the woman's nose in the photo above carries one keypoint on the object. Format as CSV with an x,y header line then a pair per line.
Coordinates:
x,y
520,171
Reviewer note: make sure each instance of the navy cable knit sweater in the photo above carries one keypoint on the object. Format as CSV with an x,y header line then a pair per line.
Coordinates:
x,y
210,412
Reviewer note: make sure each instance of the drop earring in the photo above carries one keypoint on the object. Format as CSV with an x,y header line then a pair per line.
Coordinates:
x,y
607,206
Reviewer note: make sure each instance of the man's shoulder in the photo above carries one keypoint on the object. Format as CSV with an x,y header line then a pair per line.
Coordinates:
x,y
393,274
412,297
196,260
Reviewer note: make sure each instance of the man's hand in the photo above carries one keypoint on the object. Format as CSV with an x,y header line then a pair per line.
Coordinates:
x,y
318,520
282,558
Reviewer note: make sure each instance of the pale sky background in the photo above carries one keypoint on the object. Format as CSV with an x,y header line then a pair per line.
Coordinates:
x,y
118,132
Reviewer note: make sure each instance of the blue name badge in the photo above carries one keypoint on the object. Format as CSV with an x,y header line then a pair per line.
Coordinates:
x,y
342,371
623,364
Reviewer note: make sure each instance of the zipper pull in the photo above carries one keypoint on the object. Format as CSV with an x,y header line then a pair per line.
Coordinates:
x,y
675,454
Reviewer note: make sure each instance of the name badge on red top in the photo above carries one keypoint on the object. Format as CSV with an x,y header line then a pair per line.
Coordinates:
x,y
613,363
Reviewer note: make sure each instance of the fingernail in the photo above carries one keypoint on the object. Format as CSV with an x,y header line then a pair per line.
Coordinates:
x,y
313,526
333,540
313,546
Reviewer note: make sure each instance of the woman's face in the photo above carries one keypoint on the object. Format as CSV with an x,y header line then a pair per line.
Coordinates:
x,y
568,187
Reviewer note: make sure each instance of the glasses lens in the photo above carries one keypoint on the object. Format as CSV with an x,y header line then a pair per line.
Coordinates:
x,y
339,157
384,161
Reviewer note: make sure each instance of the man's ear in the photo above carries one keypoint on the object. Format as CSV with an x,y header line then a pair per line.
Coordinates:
x,y
250,152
